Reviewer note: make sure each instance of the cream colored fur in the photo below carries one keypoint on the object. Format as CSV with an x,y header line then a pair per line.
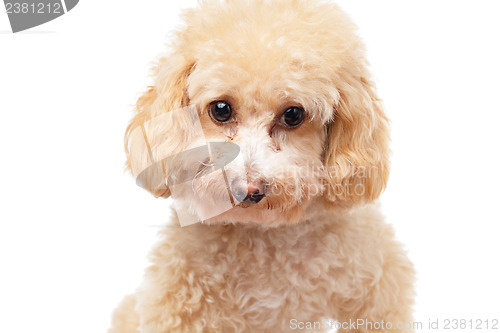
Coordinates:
x,y
315,247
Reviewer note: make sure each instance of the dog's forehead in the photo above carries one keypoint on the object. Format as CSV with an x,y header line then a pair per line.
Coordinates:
x,y
274,57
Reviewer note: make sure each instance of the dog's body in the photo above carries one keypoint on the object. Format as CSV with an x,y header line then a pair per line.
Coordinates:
x,y
246,279
287,82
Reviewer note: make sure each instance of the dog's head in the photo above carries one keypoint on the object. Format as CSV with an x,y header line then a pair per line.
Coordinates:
x,y
287,82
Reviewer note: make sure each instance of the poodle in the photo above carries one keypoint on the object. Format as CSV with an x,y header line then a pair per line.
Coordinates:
x,y
263,125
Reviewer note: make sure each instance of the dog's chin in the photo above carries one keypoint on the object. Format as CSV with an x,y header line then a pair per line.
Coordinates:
x,y
261,213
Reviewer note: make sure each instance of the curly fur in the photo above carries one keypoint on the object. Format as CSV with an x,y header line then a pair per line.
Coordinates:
x,y
316,247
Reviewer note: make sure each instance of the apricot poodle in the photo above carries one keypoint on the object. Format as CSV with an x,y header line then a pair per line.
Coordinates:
x,y
289,152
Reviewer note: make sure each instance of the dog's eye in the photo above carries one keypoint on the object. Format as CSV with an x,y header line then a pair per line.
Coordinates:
x,y
293,116
220,111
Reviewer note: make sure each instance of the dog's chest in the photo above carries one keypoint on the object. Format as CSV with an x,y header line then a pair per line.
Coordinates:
x,y
273,274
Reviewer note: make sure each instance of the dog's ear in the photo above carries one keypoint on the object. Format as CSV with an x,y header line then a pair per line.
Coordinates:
x,y
357,145
169,93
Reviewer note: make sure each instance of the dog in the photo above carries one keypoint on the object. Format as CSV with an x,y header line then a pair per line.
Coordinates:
x,y
291,237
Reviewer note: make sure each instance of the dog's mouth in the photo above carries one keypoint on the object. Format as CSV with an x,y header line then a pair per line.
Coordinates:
x,y
267,196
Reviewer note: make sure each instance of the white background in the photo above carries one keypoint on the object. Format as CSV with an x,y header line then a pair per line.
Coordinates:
x,y
75,229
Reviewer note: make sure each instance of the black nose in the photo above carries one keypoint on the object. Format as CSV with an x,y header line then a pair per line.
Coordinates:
x,y
248,191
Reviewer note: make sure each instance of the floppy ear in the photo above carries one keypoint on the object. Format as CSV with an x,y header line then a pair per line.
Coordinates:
x,y
168,93
357,145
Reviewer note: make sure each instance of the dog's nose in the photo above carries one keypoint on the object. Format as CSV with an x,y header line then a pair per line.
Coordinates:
x,y
251,191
